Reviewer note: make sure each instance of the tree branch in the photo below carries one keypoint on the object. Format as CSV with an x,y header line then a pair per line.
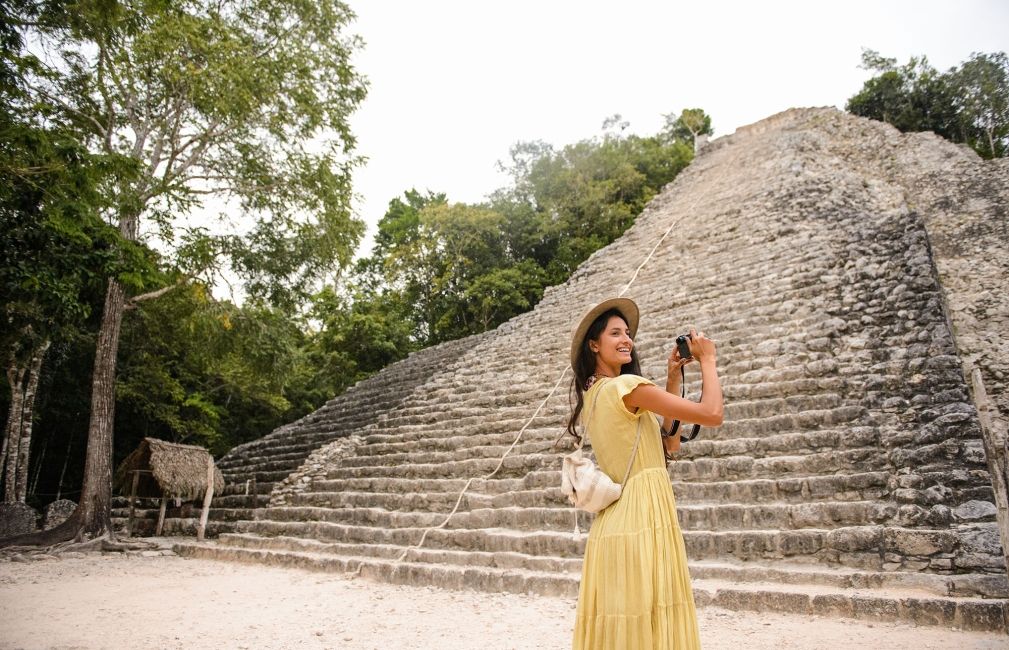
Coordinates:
x,y
151,295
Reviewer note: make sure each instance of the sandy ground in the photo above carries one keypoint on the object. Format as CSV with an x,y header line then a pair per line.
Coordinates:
x,y
115,601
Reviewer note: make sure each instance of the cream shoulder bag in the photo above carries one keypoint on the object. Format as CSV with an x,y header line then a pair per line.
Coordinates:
x,y
587,486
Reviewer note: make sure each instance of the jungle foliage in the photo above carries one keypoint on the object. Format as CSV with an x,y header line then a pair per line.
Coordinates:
x,y
968,103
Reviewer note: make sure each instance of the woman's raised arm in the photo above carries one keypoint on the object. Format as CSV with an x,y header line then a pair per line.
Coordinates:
x,y
708,412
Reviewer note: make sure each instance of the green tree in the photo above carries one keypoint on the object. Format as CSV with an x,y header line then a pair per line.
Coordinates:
x,y
246,100
199,371
455,269
359,335
54,246
912,97
968,103
687,127
983,100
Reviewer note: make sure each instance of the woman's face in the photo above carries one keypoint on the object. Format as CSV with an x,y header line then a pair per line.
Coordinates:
x,y
613,347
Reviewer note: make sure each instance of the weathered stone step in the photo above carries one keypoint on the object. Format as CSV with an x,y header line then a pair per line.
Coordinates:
x,y
525,447
453,442
215,514
174,527
282,448
907,606
542,441
971,584
558,515
432,502
265,464
437,421
959,585
502,560
773,422
251,501
448,576
243,487
913,606
498,485
513,466
854,486
786,422
861,547
803,465
490,541
274,454
513,518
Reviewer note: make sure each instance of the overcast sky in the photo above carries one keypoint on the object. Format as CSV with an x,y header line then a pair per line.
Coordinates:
x,y
454,84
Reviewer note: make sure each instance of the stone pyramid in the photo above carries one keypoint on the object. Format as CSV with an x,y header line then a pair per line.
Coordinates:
x,y
832,259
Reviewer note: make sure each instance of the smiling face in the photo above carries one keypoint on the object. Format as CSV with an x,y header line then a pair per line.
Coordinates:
x,y
613,347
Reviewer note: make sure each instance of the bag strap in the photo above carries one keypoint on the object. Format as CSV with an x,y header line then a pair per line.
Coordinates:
x,y
637,438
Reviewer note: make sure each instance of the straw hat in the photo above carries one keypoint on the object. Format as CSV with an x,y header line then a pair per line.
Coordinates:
x,y
625,306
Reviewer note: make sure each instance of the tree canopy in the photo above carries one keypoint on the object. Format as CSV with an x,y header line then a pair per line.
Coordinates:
x,y
968,103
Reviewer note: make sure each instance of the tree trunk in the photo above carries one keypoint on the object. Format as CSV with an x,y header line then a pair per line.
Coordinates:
x,y
27,414
93,515
12,434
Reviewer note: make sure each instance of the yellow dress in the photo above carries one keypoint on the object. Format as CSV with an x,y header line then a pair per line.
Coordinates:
x,y
635,590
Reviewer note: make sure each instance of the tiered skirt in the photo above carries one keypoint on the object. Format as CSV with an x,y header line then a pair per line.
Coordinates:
x,y
635,591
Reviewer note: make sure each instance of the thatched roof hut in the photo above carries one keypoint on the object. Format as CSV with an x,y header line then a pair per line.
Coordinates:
x,y
167,469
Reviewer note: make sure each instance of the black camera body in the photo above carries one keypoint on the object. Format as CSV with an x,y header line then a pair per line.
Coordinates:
x,y
683,347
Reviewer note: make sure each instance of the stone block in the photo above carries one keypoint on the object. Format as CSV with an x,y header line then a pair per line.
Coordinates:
x,y
17,519
875,609
57,512
855,538
974,511
941,563
834,605
980,538
908,495
937,494
913,542
939,515
928,611
983,616
910,515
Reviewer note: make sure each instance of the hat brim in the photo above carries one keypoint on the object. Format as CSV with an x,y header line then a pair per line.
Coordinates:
x,y
625,306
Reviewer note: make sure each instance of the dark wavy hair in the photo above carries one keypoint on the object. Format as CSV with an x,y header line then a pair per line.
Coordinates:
x,y
585,367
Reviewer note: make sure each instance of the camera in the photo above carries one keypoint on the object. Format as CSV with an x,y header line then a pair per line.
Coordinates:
x,y
683,347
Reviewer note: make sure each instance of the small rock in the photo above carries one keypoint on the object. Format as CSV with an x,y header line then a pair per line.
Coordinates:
x,y
157,553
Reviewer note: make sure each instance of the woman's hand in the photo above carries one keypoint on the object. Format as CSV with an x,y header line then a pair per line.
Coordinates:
x,y
674,363
701,347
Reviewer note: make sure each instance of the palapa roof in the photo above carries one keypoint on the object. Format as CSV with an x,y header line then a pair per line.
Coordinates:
x,y
175,470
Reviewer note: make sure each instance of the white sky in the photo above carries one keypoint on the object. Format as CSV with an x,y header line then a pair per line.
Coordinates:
x,y
453,84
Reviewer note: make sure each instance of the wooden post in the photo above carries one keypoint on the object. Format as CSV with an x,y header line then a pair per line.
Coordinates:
x,y
133,503
207,498
998,463
161,515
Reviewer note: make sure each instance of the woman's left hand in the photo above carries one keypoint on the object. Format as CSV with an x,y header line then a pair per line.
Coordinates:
x,y
674,363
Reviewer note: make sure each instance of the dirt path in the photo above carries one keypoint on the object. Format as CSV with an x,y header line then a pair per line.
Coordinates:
x,y
112,601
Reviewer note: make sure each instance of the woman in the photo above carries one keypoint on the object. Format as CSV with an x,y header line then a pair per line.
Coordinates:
x,y
635,590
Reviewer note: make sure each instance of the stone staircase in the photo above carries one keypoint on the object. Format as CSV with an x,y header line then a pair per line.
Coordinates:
x,y
252,470
849,477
